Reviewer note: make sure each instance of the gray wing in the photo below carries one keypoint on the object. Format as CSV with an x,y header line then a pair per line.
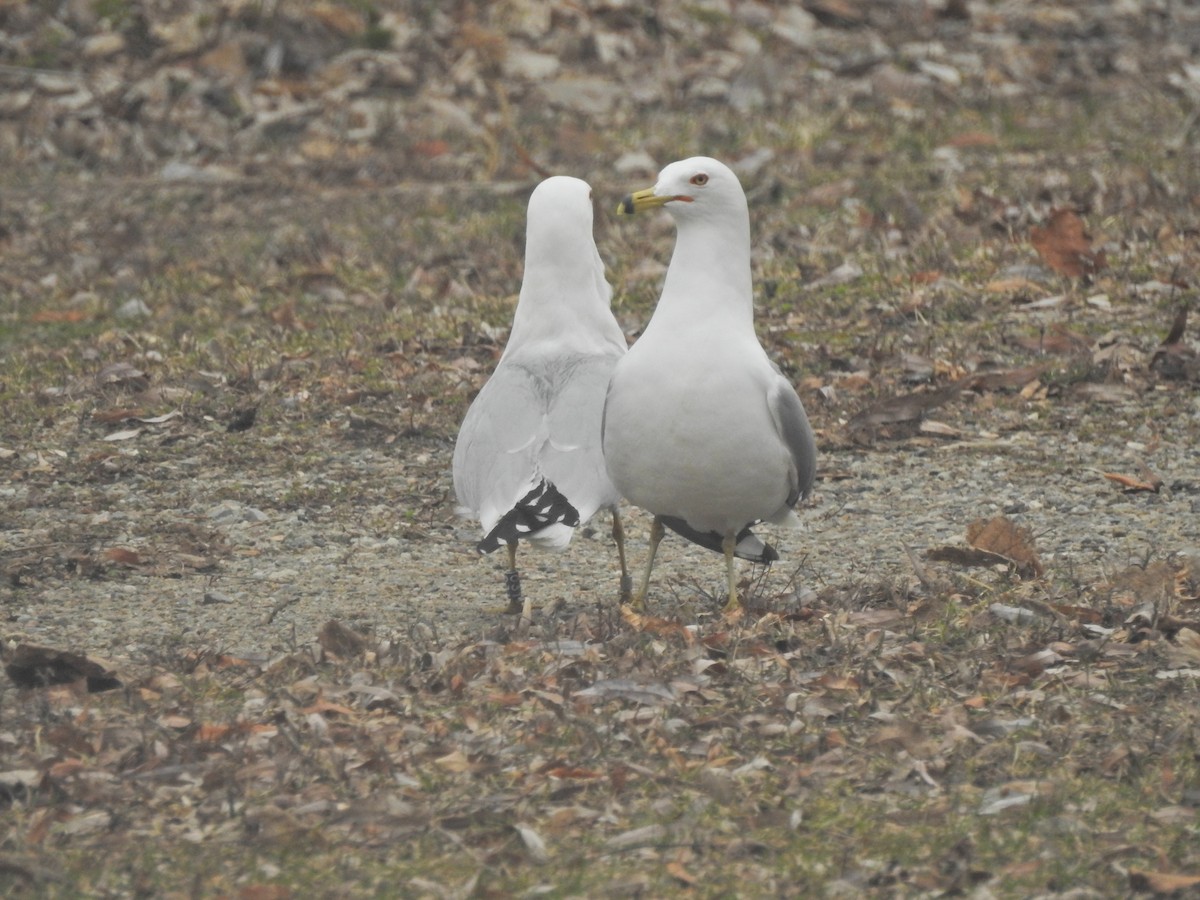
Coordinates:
x,y
791,424
535,420
572,458
494,459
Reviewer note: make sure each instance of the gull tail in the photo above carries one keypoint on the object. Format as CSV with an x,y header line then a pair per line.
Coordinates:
x,y
749,545
540,508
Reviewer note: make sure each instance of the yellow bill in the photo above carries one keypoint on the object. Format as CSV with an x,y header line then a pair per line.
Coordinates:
x,y
640,201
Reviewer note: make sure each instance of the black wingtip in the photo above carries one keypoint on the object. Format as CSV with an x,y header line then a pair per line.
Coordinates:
x,y
711,540
542,507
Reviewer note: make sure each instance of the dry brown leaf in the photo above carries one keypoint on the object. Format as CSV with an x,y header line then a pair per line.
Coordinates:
x,y
573,772
344,21
1065,246
209,733
1185,649
1149,482
66,768
112,416
973,139
30,666
966,556
676,870
1153,584
1007,379
341,640
901,411
833,682
1002,536
902,734
455,761
122,556
831,194
325,707
60,315
656,625
1161,882
1082,614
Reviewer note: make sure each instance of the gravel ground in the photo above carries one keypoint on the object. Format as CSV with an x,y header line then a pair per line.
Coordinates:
x,y
286,573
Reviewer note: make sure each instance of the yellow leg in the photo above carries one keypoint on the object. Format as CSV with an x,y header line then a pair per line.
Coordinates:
x,y
729,544
618,533
657,530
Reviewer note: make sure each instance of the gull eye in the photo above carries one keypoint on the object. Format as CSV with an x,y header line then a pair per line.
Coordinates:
x,y
699,180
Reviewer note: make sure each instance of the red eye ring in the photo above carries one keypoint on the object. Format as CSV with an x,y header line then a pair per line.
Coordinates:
x,y
699,180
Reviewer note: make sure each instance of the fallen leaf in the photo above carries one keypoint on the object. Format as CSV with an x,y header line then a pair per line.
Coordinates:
x,y
123,557
112,416
159,420
676,870
1002,536
1185,649
1103,393
1065,246
324,707
533,843
966,556
454,762
656,625
1013,286
646,693
1047,302
209,733
126,435
124,374
973,139
573,772
341,640
60,315
1150,482
902,410
648,835
31,666
1007,379
1161,882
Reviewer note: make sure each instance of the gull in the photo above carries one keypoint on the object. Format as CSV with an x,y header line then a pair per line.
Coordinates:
x,y
701,429
527,463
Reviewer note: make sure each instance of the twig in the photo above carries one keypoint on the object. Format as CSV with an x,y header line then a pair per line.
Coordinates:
x,y
278,608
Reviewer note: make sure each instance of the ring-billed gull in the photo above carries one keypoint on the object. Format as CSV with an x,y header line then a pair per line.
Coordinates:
x,y
701,429
528,463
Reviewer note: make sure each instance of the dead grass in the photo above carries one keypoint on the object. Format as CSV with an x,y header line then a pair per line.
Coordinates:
x,y
917,747
892,739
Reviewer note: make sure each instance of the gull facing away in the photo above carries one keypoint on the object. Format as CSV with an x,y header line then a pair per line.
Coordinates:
x,y
701,429
527,463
